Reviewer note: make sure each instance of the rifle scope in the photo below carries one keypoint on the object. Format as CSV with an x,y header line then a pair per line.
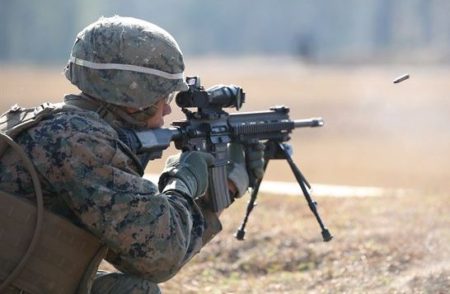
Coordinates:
x,y
218,96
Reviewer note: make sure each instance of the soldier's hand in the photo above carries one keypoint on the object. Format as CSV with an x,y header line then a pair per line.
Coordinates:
x,y
186,172
254,158
245,162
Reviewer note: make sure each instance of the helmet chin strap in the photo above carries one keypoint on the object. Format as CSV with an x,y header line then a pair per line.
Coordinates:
x,y
144,114
132,120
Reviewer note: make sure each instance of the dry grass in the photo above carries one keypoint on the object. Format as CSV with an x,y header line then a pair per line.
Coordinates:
x,y
376,134
382,245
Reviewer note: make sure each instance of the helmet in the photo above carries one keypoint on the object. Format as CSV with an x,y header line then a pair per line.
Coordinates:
x,y
126,61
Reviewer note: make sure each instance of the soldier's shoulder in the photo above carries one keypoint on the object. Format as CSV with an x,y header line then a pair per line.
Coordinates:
x,y
69,123
73,120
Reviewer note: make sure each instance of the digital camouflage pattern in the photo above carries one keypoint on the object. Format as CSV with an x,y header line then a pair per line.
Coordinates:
x,y
91,177
118,283
126,41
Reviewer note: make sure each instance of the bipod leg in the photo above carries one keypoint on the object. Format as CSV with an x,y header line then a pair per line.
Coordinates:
x,y
326,235
240,233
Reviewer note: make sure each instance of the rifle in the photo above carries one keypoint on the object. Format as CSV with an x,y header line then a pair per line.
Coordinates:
x,y
211,129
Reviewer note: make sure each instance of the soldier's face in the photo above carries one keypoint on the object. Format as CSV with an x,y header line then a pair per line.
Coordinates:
x,y
162,109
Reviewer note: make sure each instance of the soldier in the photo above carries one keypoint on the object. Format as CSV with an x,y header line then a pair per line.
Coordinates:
x,y
128,70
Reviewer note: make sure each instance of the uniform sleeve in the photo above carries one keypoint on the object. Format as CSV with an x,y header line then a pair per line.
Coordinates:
x,y
151,235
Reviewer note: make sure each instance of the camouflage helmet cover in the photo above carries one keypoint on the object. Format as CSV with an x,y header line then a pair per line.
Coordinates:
x,y
126,61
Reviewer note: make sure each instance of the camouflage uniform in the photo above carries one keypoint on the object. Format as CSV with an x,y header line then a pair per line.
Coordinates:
x,y
90,176
94,179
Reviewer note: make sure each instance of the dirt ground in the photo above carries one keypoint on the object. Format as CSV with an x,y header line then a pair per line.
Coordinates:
x,y
376,134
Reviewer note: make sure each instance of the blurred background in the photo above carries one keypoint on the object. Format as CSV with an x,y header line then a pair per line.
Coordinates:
x,y
335,59
319,31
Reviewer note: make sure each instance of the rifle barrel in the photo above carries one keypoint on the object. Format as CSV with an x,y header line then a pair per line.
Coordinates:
x,y
306,123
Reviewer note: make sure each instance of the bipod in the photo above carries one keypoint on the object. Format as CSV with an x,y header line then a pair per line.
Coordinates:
x,y
277,150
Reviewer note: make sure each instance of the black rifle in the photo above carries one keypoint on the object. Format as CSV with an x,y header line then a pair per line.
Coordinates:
x,y
211,129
